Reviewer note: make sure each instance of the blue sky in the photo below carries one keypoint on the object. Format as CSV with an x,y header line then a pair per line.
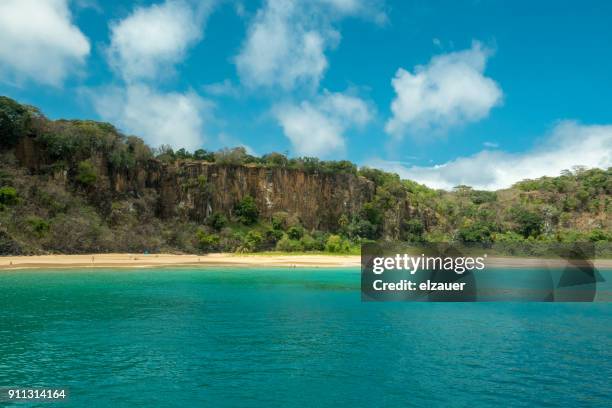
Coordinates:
x,y
484,93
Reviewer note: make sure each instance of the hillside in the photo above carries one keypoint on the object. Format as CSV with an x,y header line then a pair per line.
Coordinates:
x,y
73,186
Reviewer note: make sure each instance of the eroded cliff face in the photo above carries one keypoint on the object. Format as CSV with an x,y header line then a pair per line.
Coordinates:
x,y
195,189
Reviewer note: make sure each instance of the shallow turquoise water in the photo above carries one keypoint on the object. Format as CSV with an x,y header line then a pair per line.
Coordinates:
x,y
289,338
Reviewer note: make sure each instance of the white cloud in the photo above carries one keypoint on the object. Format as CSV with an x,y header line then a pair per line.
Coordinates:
x,y
159,118
570,144
151,40
317,129
144,46
449,91
89,4
38,41
223,88
281,52
287,41
369,9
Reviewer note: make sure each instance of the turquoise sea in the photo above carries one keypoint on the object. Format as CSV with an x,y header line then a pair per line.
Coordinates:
x,y
290,338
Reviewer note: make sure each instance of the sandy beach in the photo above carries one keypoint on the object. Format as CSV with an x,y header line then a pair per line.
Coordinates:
x,y
233,260
159,260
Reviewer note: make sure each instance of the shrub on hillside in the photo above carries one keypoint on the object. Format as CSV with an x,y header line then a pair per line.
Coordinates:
x,y
39,226
477,231
217,221
206,242
412,230
280,220
599,234
528,223
8,196
232,157
337,244
14,122
361,228
86,173
309,243
251,242
296,232
272,236
289,245
246,210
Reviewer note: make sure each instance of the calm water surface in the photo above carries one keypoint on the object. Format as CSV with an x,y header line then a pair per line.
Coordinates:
x,y
292,338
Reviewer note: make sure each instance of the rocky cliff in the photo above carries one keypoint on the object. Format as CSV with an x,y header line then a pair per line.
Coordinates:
x,y
81,186
194,189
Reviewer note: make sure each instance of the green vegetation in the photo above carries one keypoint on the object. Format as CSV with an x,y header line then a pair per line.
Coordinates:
x,y
246,210
86,174
206,242
15,120
217,221
295,232
39,226
59,193
8,196
337,244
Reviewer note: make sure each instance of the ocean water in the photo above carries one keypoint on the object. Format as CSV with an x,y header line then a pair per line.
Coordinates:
x,y
291,338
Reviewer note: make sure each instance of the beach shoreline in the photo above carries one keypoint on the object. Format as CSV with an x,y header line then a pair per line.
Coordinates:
x,y
115,260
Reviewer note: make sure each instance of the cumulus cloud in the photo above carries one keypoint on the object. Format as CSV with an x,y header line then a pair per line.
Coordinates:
x,y
287,41
160,118
144,46
151,40
39,42
569,144
317,129
450,90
